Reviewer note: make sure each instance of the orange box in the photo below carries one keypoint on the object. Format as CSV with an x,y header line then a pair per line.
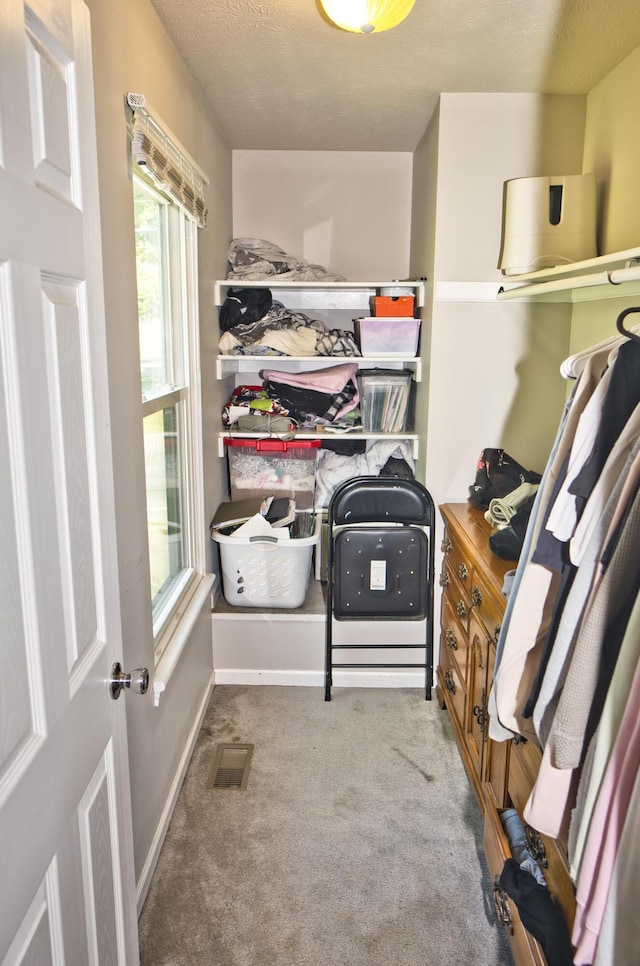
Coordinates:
x,y
385,306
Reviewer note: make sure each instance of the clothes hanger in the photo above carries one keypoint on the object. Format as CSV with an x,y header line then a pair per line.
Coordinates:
x,y
620,327
572,367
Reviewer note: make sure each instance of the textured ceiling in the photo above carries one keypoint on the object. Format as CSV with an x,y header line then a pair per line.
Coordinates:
x,y
278,75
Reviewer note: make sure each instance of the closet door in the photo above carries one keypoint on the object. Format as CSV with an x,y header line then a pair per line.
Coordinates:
x,y
67,890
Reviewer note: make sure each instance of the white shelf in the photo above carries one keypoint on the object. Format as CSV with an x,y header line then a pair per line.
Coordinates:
x,y
607,276
229,365
320,294
325,436
324,291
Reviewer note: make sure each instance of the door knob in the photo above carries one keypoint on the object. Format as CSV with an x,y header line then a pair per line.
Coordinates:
x,y
137,680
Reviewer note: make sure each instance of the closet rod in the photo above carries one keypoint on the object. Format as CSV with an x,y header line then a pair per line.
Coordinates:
x,y
616,276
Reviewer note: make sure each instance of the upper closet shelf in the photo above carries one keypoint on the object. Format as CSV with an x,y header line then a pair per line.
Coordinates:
x,y
594,278
325,294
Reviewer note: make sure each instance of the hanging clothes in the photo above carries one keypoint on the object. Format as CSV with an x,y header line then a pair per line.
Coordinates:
x,y
568,657
530,606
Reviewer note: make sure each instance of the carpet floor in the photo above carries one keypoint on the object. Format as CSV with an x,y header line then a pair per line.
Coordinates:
x,y
357,840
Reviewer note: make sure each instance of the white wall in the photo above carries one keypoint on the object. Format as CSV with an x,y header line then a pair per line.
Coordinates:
x,y
493,379
347,211
486,139
132,52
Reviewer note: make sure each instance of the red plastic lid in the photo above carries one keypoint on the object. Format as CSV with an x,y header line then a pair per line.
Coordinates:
x,y
272,444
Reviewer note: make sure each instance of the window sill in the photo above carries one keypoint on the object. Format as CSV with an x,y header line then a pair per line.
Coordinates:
x,y
178,635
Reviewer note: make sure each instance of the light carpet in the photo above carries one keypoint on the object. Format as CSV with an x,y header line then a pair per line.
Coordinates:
x,y
358,840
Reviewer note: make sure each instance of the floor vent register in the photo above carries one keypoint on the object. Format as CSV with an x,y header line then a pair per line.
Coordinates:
x,y
231,766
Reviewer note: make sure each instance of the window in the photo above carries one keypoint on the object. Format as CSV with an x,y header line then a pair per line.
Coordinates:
x,y
166,253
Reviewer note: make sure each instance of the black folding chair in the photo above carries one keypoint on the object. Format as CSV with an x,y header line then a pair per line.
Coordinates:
x,y
380,564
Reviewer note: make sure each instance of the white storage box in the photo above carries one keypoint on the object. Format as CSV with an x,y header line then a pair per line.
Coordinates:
x,y
548,221
264,571
388,337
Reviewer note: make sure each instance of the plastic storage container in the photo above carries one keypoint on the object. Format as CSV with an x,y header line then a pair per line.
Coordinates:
x,y
264,571
385,399
273,467
548,221
388,337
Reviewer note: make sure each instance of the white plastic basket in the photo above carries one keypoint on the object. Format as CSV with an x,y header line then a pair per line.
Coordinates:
x,y
264,571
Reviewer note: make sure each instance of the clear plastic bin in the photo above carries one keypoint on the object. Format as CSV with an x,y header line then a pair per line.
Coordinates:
x,y
388,337
385,400
273,467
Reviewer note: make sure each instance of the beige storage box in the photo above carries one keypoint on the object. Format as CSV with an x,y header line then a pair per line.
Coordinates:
x,y
548,221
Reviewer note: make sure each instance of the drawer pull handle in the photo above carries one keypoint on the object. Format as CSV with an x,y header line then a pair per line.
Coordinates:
x,y
503,913
450,638
519,740
536,845
480,715
476,597
463,573
449,683
445,579
461,610
446,545
496,633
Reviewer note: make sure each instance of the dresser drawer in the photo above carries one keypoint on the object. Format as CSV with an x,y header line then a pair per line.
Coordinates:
x,y
456,594
549,853
495,767
454,686
454,639
486,606
525,764
456,559
526,951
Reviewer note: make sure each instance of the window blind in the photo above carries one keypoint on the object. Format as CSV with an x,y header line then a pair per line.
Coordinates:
x,y
153,147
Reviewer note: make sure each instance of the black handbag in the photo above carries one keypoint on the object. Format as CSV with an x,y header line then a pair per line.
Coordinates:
x,y
497,474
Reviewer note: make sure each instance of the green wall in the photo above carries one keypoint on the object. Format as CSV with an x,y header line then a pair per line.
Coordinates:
x,y
612,153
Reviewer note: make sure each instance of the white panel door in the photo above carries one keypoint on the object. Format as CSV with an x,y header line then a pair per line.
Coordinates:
x,y
66,876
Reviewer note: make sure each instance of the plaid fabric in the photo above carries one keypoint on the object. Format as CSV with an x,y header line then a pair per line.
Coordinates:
x,y
340,401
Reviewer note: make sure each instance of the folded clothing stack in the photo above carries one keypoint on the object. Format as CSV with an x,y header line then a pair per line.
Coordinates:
x,y
318,396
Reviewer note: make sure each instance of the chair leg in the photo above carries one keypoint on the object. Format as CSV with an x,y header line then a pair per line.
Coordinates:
x,y
328,638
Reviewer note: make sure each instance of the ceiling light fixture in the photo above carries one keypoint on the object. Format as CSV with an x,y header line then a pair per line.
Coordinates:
x,y
367,16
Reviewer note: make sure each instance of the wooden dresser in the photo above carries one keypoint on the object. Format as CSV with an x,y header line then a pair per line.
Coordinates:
x,y
501,773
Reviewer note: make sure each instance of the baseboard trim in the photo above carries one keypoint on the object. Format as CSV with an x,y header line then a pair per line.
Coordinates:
x,y
154,852
310,679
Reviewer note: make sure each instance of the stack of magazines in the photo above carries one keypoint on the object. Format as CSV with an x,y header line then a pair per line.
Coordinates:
x,y
384,399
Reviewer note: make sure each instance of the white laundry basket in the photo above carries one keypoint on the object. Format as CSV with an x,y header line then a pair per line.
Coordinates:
x,y
264,571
